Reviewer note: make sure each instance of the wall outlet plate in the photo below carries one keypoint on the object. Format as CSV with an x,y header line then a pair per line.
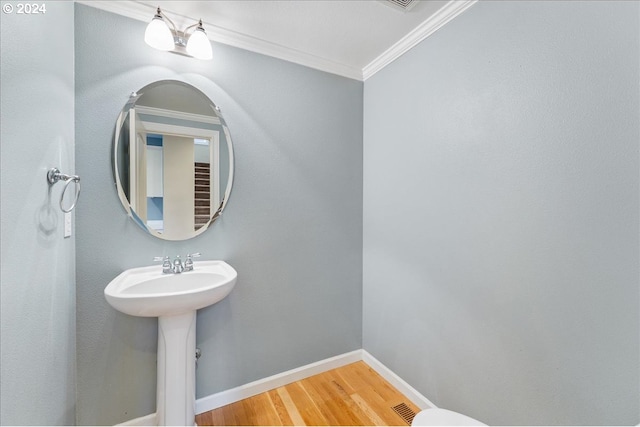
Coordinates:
x,y
67,224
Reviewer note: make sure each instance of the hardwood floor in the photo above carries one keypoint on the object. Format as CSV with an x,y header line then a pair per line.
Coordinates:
x,y
353,395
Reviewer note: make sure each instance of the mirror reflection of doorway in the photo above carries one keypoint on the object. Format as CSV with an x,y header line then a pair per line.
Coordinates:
x,y
179,191
179,184
176,158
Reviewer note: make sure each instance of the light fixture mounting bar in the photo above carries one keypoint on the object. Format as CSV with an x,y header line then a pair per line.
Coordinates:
x,y
193,43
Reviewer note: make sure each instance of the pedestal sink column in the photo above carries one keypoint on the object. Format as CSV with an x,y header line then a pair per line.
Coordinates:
x,y
176,394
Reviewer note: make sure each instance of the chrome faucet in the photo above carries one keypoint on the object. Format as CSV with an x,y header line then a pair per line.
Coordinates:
x,y
177,266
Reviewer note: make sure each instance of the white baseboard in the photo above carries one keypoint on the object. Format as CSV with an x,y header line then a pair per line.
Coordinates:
x,y
236,394
147,420
403,387
226,397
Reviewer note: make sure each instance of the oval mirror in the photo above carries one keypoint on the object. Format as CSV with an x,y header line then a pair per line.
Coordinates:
x,y
172,160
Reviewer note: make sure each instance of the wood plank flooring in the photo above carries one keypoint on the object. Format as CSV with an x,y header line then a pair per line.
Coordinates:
x,y
353,395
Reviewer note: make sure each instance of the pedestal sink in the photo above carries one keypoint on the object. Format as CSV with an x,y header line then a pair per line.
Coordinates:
x,y
174,299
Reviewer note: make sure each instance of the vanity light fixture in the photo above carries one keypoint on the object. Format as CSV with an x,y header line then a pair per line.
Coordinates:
x,y
192,41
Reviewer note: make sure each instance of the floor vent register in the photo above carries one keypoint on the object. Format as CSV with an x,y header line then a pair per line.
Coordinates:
x,y
405,412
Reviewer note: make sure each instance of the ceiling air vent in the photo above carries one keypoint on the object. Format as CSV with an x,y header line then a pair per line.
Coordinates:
x,y
403,5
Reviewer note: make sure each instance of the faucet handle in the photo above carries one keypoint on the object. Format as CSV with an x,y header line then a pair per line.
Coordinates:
x,y
166,263
188,264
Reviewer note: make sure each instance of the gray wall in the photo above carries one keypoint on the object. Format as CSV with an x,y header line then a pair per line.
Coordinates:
x,y
292,228
501,214
37,267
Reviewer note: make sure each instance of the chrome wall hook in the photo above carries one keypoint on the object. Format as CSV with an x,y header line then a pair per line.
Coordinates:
x,y
54,175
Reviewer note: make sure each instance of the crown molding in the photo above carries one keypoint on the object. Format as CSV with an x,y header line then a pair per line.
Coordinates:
x,y
143,12
436,21
263,47
130,9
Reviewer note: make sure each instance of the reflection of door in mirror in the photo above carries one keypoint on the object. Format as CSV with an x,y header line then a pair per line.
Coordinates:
x,y
206,194
155,182
174,168
179,185
137,163
180,189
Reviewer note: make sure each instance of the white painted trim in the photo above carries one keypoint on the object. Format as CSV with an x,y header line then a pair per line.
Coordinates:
x,y
165,129
161,112
403,387
214,173
147,420
226,397
449,11
274,50
130,9
236,394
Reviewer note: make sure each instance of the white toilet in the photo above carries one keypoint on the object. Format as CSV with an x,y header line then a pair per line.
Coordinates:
x,y
443,417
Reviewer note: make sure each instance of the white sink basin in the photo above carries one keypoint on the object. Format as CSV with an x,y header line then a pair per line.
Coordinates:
x,y
147,292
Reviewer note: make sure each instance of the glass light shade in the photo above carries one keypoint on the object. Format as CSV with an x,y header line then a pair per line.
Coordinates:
x,y
158,35
199,45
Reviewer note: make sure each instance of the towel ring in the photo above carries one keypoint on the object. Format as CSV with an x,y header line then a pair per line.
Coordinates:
x,y
54,175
